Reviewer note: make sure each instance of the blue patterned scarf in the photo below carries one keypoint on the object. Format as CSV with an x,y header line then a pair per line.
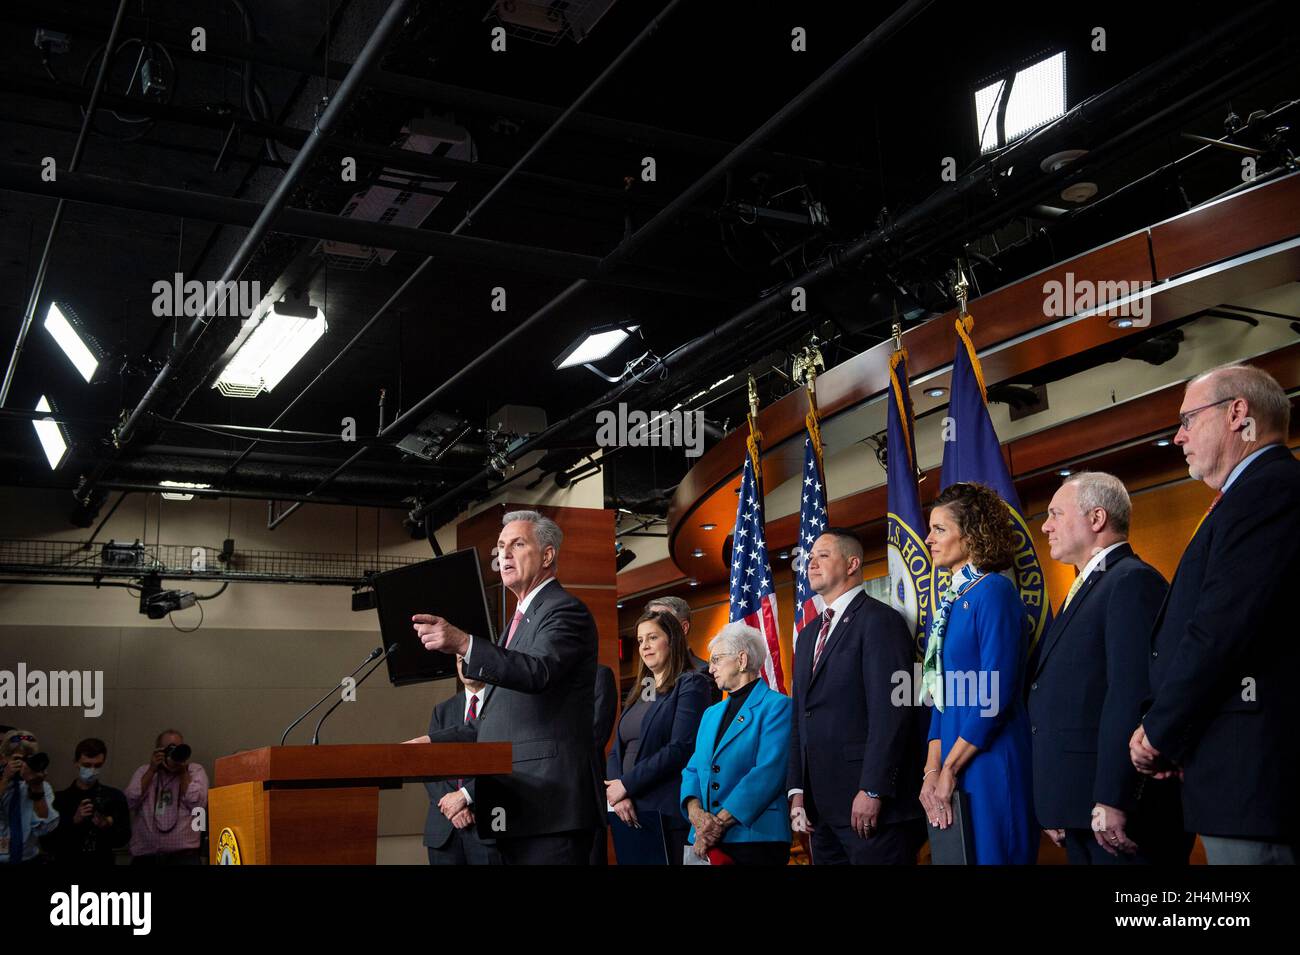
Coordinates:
x,y
932,669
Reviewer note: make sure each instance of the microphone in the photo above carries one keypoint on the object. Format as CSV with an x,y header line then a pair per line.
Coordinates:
x,y
376,652
315,739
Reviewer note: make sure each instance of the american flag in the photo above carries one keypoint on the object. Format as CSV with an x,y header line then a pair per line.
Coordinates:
x,y
812,522
752,597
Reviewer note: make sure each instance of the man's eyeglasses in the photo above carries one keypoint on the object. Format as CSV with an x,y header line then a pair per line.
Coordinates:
x,y
1185,418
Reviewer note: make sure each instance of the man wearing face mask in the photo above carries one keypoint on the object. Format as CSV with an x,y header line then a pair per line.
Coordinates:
x,y
96,819
162,796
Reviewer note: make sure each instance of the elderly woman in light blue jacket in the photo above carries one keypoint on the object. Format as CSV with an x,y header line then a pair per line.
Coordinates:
x,y
733,788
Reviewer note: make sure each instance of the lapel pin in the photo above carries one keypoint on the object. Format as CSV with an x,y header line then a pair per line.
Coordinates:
x,y
740,719
965,605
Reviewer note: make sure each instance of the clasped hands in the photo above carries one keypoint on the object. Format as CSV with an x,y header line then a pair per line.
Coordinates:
x,y
455,807
1148,760
709,829
936,795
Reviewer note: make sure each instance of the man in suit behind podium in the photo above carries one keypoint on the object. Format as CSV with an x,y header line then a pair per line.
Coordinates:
x,y
544,674
1224,652
855,758
450,834
1088,682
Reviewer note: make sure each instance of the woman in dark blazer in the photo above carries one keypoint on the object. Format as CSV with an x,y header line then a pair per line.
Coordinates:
x,y
656,732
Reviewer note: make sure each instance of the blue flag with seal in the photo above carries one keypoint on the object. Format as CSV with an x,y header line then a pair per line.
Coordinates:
x,y
911,575
971,452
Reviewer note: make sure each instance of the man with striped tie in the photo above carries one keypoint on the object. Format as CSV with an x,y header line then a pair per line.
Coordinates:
x,y
1223,651
544,673
450,835
855,757
1087,684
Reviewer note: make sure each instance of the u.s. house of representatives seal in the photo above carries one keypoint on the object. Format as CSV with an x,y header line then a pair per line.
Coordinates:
x,y
227,848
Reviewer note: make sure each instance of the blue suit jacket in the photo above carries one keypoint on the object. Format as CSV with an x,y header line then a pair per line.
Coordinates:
x,y
746,773
1088,684
667,740
1223,653
848,735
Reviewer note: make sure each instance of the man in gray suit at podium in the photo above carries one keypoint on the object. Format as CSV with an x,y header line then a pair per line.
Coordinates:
x,y
544,674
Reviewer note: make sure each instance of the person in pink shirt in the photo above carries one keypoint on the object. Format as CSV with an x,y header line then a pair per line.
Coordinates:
x,y
162,797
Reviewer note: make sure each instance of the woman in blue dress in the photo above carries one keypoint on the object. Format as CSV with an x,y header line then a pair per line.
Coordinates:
x,y
974,670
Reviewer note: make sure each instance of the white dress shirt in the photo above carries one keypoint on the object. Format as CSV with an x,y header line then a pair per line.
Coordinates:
x,y
480,696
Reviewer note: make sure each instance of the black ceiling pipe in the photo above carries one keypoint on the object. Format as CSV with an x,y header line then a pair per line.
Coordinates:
x,y
1136,95
435,166
141,197
646,33
367,62
390,24
53,15
38,283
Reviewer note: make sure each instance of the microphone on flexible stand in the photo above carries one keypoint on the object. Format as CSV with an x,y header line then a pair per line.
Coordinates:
x,y
315,740
376,652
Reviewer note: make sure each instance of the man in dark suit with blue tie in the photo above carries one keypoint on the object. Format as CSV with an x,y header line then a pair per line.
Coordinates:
x,y
544,673
1088,682
450,833
855,757
1224,651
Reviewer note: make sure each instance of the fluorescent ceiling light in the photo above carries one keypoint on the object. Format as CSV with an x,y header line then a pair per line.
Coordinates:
x,y
78,352
50,435
594,345
1036,97
181,484
277,344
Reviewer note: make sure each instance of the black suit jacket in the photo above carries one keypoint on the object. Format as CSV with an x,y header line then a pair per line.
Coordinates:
x,y
447,724
1223,654
544,706
1088,683
848,735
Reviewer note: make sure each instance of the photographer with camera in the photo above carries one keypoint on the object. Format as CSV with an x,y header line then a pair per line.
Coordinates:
x,y
162,797
95,817
26,800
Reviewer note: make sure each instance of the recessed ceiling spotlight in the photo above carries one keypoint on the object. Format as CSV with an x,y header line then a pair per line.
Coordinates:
x,y
1079,192
1065,472
698,552
1163,443
1120,322
708,527
935,392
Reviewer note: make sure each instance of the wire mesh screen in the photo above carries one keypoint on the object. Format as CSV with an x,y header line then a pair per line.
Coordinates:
x,y
114,559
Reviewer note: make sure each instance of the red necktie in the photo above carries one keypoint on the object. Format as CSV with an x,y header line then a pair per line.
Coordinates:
x,y
470,714
514,625
821,637
1214,503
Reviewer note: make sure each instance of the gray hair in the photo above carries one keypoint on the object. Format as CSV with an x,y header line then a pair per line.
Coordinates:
x,y
740,636
678,607
546,531
1266,400
1099,489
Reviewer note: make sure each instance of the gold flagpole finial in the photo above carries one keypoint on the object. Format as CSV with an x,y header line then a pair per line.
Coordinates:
x,y
807,365
961,288
753,398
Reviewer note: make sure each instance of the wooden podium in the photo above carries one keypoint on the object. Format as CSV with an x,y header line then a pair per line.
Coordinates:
x,y
319,805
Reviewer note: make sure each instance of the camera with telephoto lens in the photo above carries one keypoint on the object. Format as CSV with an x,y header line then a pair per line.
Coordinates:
x,y
177,752
37,762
